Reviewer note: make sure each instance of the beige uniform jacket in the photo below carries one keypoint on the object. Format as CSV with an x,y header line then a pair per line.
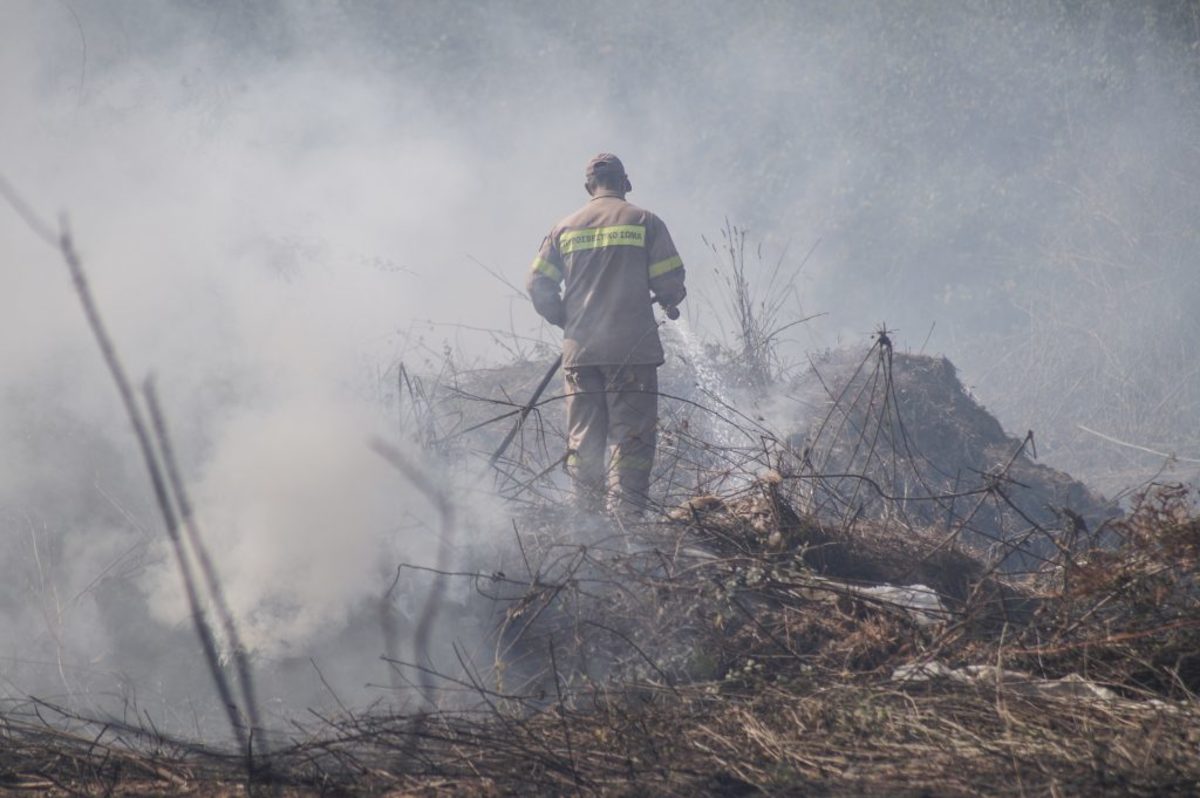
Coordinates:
x,y
609,256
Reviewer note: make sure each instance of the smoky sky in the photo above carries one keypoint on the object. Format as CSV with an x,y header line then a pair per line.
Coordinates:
x,y
279,201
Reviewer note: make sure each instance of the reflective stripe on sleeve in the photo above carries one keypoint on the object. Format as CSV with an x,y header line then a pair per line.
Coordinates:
x,y
663,266
546,268
621,235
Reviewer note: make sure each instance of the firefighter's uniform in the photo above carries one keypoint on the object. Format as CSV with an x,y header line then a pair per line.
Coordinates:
x,y
610,258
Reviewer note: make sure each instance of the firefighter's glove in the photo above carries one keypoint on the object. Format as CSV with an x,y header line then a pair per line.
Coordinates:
x,y
670,298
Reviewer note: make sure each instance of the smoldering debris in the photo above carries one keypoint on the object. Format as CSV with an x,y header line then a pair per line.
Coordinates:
x,y
691,654
753,636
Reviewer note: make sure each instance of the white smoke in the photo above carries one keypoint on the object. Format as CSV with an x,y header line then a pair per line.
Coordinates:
x,y
273,201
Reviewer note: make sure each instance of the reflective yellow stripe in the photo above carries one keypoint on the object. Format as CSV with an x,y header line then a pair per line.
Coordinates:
x,y
621,235
543,266
664,266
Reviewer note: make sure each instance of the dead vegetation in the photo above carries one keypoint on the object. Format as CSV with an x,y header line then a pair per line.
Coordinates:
x,y
750,640
754,638
707,655
831,612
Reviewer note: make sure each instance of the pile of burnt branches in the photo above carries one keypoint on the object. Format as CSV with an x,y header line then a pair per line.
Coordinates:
x,y
1127,613
730,650
722,651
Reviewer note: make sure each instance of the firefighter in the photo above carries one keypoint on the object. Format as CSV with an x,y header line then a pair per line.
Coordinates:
x,y
612,260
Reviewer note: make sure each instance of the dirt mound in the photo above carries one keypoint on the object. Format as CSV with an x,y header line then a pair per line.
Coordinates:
x,y
892,435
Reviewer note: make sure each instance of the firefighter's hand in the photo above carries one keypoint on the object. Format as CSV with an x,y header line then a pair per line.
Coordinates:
x,y
670,308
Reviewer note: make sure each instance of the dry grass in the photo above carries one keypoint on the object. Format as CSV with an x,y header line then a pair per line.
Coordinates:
x,y
704,661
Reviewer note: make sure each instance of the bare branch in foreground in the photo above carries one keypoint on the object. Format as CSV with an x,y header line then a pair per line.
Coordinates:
x,y
66,247
441,502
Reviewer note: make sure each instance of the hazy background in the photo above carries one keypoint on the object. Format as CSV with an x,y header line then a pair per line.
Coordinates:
x,y
277,202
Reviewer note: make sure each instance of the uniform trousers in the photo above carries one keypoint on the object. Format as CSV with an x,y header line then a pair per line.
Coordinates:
x,y
617,407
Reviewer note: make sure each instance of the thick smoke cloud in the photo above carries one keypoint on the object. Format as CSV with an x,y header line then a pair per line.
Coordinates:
x,y
275,200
